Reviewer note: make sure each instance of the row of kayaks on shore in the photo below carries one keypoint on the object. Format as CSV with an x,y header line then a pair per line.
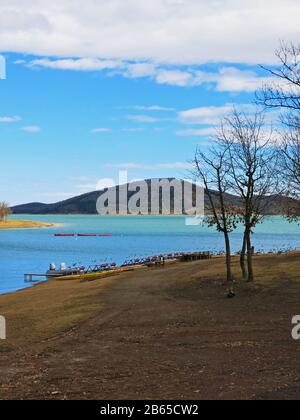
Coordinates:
x,y
161,259
82,235
63,270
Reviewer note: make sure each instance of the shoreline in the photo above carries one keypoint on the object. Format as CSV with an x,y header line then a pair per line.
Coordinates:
x,y
13,224
128,215
97,276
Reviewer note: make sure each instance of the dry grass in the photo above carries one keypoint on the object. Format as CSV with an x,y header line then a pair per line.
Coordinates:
x,y
161,333
22,224
47,309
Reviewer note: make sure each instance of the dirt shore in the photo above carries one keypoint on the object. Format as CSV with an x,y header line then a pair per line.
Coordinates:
x,y
22,224
163,333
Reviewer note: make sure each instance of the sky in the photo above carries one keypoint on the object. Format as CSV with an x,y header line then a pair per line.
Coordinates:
x,y
98,86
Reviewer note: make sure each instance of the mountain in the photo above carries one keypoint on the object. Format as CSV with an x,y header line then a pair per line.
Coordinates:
x,y
86,204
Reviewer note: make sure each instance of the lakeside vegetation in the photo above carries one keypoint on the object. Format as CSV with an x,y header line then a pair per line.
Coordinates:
x,y
22,224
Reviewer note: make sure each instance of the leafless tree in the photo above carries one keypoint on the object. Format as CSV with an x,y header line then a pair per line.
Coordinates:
x,y
289,153
253,165
212,169
283,93
5,210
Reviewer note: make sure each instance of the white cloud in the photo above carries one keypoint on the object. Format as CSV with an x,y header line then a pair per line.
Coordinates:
x,y
152,108
211,115
197,132
136,70
231,79
100,130
175,78
185,32
34,129
10,119
226,79
82,64
104,183
142,119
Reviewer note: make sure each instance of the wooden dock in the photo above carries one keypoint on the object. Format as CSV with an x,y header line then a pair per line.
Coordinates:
x,y
28,278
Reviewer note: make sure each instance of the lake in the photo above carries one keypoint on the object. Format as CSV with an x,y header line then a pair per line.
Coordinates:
x,y
32,250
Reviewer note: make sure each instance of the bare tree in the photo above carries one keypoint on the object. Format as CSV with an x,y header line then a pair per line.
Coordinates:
x,y
289,154
213,170
291,160
283,93
253,166
5,210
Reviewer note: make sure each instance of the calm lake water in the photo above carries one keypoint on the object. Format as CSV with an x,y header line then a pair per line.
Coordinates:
x,y
31,251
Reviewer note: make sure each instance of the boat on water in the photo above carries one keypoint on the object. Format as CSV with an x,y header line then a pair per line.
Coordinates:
x,y
82,235
65,235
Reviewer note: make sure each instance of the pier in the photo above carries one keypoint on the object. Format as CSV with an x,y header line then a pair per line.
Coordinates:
x,y
29,278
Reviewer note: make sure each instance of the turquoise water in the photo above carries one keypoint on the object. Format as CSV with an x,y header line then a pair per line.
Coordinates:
x,y
31,251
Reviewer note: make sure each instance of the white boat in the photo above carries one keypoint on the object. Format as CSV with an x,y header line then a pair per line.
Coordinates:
x,y
62,271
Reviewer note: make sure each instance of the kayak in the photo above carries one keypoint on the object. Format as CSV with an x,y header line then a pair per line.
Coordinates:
x,y
68,235
82,235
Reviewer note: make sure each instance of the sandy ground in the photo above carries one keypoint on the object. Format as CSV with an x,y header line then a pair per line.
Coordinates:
x,y
22,224
163,333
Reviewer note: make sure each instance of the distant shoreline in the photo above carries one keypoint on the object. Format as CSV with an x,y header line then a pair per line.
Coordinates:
x,y
24,224
124,215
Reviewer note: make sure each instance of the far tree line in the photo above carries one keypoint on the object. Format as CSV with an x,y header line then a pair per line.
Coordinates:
x,y
254,161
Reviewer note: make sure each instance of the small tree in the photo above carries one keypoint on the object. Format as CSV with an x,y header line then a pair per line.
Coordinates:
x,y
252,173
5,211
212,170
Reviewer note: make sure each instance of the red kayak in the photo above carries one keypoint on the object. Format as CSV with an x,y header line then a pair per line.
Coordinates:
x,y
65,235
82,235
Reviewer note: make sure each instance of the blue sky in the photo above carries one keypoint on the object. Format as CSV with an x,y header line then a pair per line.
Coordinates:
x,y
72,114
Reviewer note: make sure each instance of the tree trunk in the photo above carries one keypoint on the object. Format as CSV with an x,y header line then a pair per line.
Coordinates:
x,y
228,261
243,257
250,259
